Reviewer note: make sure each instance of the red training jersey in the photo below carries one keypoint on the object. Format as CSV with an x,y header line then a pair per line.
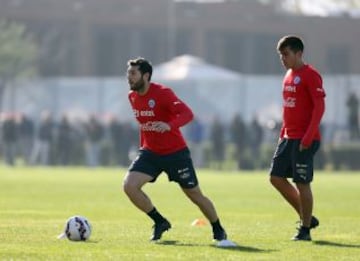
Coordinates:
x,y
160,104
303,105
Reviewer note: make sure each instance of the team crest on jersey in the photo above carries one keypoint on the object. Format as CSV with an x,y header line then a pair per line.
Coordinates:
x,y
151,103
297,80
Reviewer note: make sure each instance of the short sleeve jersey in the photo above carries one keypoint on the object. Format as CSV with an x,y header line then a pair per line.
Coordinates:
x,y
160,104
302,92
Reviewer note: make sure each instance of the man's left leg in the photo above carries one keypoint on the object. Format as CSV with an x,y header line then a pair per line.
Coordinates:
x,y
306,199
208,209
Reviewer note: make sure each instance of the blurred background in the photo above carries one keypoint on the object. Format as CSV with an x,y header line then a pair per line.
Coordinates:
x,y
63,92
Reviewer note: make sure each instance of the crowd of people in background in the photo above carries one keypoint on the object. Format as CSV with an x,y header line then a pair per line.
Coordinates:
x,y
93,142
215,143
104,140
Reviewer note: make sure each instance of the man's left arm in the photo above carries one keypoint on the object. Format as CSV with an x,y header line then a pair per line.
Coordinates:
x,y
317,95
318,111
183,113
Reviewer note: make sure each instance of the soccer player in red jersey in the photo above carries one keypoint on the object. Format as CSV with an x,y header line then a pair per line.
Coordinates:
x,y
303,107
160,114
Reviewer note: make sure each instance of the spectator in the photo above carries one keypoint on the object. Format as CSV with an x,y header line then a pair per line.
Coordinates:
x,y
238,138
42,146
9,138
195,134
218,142
120,136
256,137
64,141
353,116
131,133
25,130
94,134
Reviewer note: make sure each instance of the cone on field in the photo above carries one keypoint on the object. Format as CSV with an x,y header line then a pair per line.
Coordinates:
x,y
199,222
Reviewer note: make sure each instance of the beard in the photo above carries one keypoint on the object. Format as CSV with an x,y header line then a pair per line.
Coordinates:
x,y
137,86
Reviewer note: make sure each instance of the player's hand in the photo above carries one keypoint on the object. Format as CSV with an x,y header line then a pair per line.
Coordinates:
x,y
302,147
161,126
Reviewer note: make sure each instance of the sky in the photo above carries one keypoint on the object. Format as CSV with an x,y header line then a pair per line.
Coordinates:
x,y
324,7
309,7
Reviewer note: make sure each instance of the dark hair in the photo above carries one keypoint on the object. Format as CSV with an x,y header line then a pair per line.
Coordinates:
x,y
293,42
143,64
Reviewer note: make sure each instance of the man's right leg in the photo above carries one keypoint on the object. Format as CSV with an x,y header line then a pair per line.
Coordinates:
x,y
289,192
133,183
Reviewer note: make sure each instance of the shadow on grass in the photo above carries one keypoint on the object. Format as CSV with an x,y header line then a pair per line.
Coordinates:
x,y
92,241
334,244
174,243
234,248
245,249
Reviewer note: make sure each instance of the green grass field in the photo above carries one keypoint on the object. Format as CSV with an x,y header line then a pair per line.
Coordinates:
x,y
35,203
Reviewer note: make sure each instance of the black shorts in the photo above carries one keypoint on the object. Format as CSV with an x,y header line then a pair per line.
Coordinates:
x,y
178,166
289,162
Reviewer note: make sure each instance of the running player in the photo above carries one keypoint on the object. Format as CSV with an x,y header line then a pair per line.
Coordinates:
x,y
160,114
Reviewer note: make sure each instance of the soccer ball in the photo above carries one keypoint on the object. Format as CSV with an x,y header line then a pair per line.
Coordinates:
x,y
77,228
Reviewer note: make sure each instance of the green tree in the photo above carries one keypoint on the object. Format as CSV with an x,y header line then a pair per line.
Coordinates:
x,y
18,53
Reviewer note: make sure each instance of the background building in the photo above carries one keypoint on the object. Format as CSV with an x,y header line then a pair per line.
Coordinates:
x,y
96,38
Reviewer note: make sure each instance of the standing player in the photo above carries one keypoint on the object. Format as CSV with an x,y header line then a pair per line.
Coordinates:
x,y
160,114
303,107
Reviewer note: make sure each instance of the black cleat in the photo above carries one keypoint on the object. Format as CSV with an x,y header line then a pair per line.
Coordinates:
x,y
314,222
303,234
219,235
159,229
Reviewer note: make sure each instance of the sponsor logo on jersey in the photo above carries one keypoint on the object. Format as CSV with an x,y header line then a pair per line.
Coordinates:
x,y
289,88
290,102
148,126
145,113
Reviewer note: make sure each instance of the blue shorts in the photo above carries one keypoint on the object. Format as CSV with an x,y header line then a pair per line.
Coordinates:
x,y
289,162
178,166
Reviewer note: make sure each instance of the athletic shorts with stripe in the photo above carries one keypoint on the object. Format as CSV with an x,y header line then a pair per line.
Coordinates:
x,y
178,166
289,162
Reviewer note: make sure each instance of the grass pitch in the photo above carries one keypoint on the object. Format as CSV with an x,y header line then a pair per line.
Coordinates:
x,y
36,202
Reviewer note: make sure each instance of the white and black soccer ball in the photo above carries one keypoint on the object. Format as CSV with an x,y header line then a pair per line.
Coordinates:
x,y
77,228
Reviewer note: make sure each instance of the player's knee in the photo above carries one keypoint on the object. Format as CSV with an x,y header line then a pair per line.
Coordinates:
x,y
132,183
275,181
128,186
303,187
